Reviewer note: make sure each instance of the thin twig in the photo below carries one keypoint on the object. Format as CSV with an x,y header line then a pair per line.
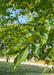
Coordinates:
x,y
17,18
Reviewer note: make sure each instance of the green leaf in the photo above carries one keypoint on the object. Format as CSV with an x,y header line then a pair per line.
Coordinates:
x,y
42,20
21,57
36,51
43,38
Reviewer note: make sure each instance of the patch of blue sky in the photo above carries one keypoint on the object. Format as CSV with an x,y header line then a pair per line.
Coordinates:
x,y
22,18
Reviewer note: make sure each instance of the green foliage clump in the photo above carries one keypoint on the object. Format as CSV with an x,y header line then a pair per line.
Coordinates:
x,y
36,36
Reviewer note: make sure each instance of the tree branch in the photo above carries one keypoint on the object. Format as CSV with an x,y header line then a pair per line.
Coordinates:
x,y
17,17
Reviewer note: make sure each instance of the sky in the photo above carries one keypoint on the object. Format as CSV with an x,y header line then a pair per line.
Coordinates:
x,y
22,18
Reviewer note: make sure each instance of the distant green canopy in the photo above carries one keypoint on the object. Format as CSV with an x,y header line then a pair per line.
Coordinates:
x,y
36,36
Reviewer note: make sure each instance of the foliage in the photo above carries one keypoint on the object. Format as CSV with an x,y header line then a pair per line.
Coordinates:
x,y
35,36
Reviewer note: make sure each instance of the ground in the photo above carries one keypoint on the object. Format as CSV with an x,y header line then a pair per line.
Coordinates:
x,y
7,68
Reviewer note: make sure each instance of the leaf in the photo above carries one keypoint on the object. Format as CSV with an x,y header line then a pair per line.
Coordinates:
x,y
51,59
33,47
48,64
50,52
45,69
37,48
42,20
43,38
21,57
